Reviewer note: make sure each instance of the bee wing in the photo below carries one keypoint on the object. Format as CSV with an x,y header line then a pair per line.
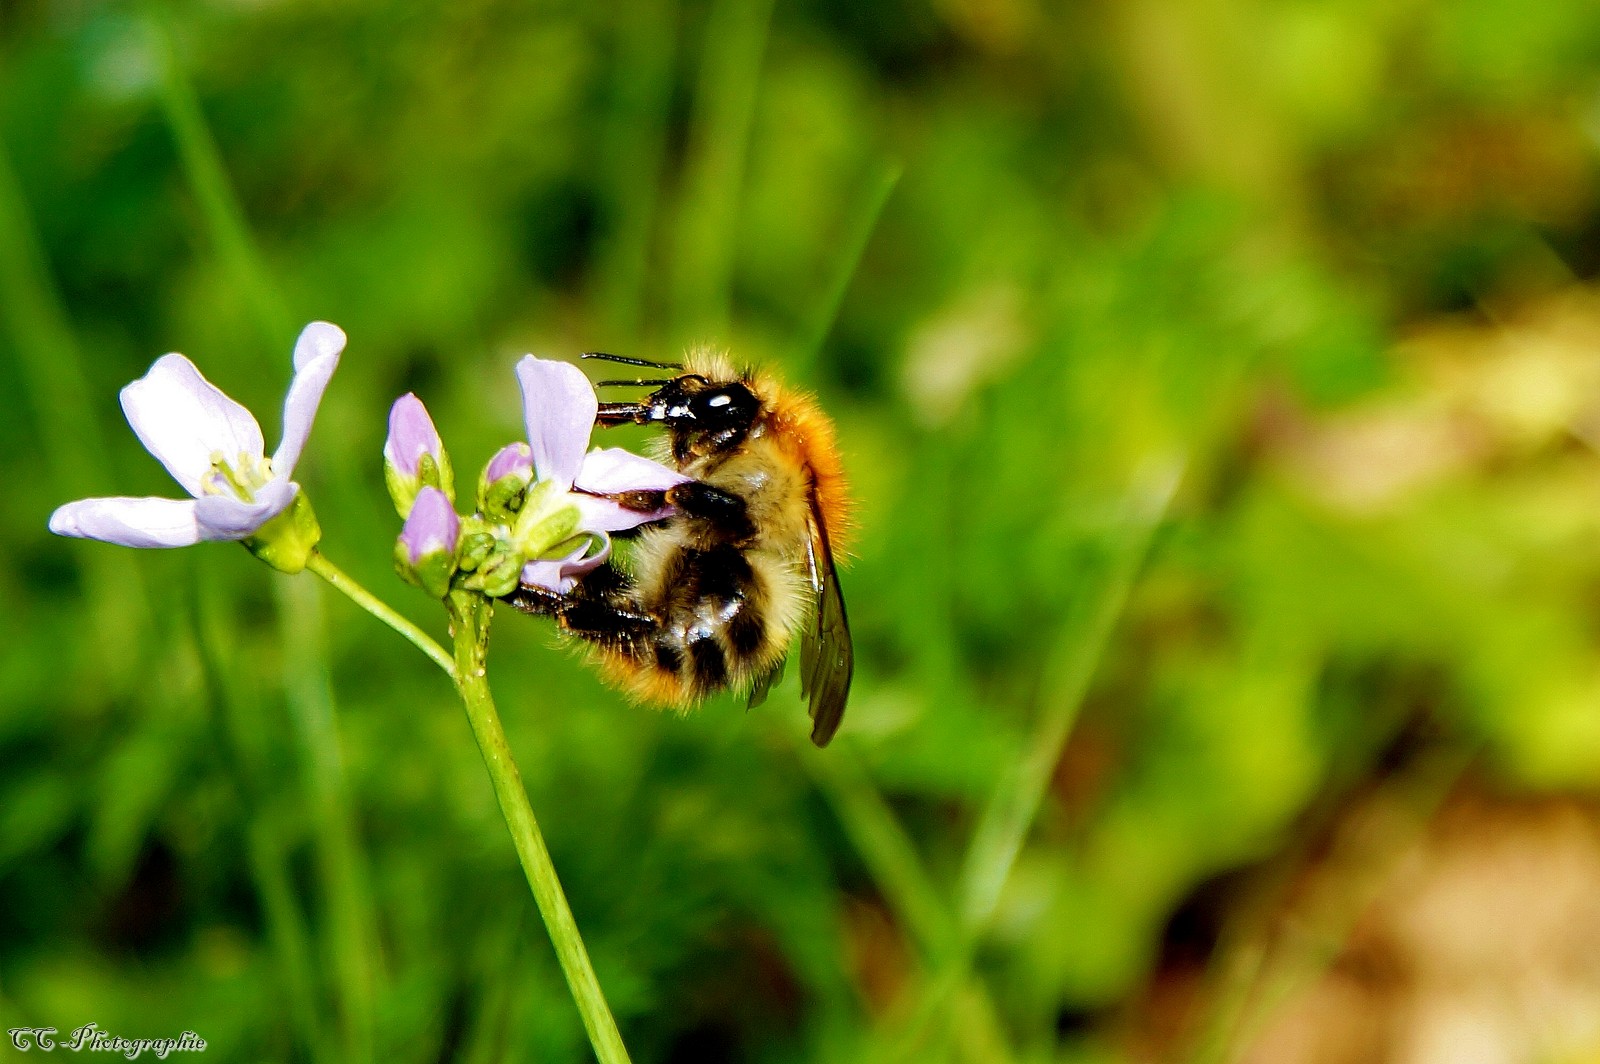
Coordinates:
x,y
765,682
827,658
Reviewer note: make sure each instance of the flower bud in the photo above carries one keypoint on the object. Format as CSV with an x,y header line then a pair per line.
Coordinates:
x,y
505,478
500,577
475,549
414,455
487,561
425,553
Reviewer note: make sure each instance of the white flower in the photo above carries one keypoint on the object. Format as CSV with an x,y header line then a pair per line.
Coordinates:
x,y
213,447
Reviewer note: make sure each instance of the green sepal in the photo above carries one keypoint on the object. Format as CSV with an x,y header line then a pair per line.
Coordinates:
x,y
546,519
432,574
437,473
286,541
431,473
403,489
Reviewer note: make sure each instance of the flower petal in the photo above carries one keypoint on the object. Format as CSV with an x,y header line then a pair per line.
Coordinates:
x,y
129,522
433,526
185,420
319,340
224,517
612,471
316,356
411,435
609,470
561,574
559,407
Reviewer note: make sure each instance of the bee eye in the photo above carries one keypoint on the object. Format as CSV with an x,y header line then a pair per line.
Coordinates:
x,y
724,406
714,404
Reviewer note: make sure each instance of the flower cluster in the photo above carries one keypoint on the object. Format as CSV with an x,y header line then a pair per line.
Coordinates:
x,y
545,508
545,512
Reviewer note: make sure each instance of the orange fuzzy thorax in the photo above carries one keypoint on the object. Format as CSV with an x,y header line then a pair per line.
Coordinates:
x,y
798,425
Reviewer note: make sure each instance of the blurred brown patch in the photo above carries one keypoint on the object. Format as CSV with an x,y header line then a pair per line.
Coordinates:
x,y
1088,765
1473,400
1529,165
1482,945
1476,939
877,952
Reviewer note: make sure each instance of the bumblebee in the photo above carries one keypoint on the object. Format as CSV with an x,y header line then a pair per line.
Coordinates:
x,y
716,593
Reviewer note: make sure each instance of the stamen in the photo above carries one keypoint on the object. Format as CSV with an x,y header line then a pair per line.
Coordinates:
x,y
240,478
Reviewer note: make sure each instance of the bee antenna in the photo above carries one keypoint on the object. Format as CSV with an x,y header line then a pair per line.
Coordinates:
x,y
643,382
626,361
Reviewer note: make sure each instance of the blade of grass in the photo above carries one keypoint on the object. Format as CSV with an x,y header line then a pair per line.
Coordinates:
x,y
858,230
208,180
635,150
75,447
874,830
1259,972
496,964
47,353
342,872
713,179
74,444
877,835
891,857
234,716
1015,802
1008,816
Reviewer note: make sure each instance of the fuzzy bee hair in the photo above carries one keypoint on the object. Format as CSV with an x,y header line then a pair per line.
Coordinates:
x,y
716,594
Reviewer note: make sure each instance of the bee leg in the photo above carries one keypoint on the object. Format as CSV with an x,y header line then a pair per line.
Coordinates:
x,y
642,502
606,583
725,511
534,601
604,620
598,609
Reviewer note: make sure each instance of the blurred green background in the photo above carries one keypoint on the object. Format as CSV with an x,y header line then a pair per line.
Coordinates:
x,y
1218,380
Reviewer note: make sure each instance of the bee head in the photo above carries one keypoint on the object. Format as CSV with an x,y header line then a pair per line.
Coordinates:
x,y
703,416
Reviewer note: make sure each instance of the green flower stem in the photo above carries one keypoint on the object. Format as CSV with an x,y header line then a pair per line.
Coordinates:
x,y
342,583
469,623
